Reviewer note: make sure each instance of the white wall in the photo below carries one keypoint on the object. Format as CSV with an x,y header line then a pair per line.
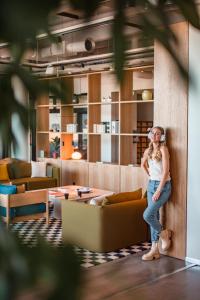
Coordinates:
x,y
108,84
193,194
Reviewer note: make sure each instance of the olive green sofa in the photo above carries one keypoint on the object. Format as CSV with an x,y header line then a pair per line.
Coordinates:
x,y
17,172
104,228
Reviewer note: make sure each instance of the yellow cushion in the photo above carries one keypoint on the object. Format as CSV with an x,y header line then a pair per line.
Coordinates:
x,y
124,196
4,172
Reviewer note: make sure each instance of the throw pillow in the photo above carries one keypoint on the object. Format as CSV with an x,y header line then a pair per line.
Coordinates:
x,y
8,189
21,169
9,161
124,196
4,172
98,200
38,169
49,172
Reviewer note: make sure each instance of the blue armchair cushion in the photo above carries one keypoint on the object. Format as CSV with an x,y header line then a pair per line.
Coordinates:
x,y
24,210
8,189
21,210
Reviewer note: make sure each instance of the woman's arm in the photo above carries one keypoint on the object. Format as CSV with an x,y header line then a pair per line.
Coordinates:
x,y
144,162
165,174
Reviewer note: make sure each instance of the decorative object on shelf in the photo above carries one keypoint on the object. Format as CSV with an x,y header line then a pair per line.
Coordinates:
x,y
94,128
76,154
54,119
115,126
106,126
142,144
147,95
55,128
106,99
136,139
75,99
41,153
71,128
55,147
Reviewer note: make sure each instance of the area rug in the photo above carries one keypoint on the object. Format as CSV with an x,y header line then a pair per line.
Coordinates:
x,y
29,230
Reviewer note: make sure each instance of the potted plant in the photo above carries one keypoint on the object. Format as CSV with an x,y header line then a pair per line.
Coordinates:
x,y
55,147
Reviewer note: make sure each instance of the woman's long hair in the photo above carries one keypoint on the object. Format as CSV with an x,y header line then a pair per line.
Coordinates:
x,y
158,155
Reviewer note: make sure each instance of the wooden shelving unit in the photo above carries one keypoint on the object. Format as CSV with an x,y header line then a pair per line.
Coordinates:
x,y
105,105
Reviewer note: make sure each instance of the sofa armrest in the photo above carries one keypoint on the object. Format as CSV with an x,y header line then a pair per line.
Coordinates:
x,y
21,188
56,174
53,172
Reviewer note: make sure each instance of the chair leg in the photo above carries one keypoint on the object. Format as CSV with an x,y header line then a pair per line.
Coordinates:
x,y
47,212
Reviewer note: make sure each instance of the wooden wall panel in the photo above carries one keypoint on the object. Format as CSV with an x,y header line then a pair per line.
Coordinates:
x,y
66,117
132,178
128,151
126,88
74,172
104,176
56,162
42,143
94,88
42,119
171,105
94,148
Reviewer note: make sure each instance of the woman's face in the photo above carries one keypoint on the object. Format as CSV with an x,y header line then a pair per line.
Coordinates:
x,y
156,135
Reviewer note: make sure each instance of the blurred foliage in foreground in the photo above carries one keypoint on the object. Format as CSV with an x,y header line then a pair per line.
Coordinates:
x,y
22,20
41,272
55,272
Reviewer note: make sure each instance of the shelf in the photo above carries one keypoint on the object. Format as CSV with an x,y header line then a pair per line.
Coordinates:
x,y
42,132
114,114
64,132
134,134
104,103
136,101
103,133
75,104
46,105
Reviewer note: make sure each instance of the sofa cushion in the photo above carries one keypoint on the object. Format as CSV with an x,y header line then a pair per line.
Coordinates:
x,y
8,189
38,169
20,169
9,161
123,196
36,183
4,172
49,170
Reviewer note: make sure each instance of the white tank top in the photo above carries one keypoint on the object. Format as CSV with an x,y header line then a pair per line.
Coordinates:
x,y
156,169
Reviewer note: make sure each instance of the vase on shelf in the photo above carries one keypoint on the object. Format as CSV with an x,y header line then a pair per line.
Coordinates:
x,y
147,95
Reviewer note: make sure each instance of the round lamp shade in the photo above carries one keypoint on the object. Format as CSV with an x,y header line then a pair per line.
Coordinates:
x,y
76,155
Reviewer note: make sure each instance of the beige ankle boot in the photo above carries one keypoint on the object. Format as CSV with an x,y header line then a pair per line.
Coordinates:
x,y
153,253
165,238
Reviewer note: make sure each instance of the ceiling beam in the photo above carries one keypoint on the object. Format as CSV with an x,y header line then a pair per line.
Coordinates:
x,y
68,15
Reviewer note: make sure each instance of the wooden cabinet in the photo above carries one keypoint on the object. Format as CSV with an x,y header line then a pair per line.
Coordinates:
x,y
74,172
104,176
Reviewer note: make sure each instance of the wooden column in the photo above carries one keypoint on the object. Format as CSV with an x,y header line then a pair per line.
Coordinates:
x,y
170,111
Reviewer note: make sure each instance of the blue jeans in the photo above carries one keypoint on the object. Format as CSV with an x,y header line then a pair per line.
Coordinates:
x,y
151,214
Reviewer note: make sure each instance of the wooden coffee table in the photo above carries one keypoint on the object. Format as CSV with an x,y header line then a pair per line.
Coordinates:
x,y
56,195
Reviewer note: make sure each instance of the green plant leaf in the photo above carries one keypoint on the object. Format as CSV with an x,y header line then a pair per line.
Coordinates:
x,y
86,6
189,10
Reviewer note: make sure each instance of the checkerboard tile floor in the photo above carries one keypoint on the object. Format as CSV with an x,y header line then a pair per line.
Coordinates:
x,y
29,230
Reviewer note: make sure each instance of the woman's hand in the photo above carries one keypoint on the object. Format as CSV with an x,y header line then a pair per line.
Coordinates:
x,y
156,195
